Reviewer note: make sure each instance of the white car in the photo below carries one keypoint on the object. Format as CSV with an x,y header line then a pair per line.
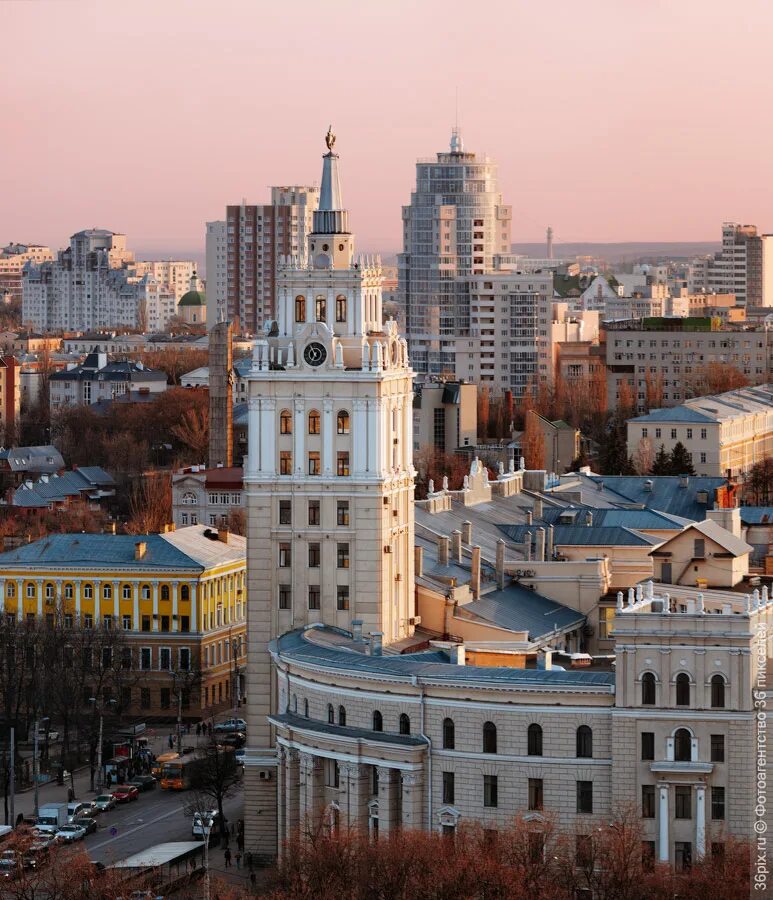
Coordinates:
x,y
70,833
104,802
231,725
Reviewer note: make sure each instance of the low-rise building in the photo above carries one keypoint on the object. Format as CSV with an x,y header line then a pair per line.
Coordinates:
x,y
179,598
17,464
445,415
84,484
725,434
96,379
207,496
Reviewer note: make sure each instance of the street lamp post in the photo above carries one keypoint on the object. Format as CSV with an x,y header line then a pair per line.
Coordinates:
x,y
234,653
36,761
206,827
99,739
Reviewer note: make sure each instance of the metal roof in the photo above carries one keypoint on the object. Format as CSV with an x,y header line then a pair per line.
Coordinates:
x,y
757,515
433,665
718,534
519,609
665,493
160,855
301,722
611,518
583,535
674,414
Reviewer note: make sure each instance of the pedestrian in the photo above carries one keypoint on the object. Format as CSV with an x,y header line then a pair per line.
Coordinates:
x,y
198,729
227,857
238,859
240,840
171,742
249,859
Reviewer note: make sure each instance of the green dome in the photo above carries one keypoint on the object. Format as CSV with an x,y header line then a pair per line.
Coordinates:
x,y
193,298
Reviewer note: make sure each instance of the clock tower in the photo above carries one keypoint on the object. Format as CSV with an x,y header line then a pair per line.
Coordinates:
x,y
329,476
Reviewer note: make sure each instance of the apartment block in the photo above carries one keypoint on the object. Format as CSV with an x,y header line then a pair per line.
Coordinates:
x,y
217,279
744,266
13,258
725,434
445,415
257,237
677,351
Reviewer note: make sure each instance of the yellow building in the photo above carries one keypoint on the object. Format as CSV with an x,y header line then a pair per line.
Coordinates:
x,y
179,597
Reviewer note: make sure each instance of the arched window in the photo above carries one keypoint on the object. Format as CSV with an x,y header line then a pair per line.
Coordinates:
x,y
682,689
449,737
330,714
189,498
584,742
648,689
306,708
285,422
341,715
489,737
405,724
340,308
300,308
164,591
717,691
682,745
320,309
378,721
314,422
534,740
342,422
185,592
107,592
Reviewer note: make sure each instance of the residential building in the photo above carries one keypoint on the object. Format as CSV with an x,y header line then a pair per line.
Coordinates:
x,y
202,496
96,379
568,338
84,484
217,278
693,556
744,266
675,352
96,283
13,258
257,237
329,474
561,443
178,597
10,397
18,463
725,434
445,415
455,225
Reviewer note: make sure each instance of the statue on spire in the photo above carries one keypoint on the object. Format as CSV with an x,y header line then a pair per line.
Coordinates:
x,y
330,138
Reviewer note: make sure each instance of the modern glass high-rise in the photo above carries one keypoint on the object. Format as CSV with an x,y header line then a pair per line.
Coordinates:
x,y
456,223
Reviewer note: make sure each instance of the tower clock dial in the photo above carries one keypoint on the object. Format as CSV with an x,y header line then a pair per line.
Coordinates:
x,y
314,354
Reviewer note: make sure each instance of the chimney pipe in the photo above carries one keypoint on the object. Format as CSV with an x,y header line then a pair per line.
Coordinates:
x,y
442,551
549,543
467,532
538,508
456,545
357,630
500,564
140,549
418,561
529,517
376,643
540,554
527,546
475,576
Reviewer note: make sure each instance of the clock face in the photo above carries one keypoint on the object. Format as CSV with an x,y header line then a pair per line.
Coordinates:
x,y
314,354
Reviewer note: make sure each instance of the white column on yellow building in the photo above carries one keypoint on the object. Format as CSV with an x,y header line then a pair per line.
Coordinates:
x,y
2,592
175,617
76,589
117,602
19,599
194,607
154,626
97,590
40,597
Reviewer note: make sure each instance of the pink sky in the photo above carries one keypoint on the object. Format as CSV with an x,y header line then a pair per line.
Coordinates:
x,y
612,120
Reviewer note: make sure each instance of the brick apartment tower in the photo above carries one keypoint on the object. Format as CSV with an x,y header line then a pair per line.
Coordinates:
x,y
221,432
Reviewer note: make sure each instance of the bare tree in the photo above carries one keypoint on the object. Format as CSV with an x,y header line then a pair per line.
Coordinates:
x,y
150,503
217,776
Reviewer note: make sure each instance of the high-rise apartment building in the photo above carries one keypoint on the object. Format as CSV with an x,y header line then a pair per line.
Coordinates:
x,y
217,283
256,237
12,261
744,266
454,226
96,283
329,472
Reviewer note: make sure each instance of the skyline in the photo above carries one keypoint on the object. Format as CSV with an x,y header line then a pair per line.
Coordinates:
x,y
592,133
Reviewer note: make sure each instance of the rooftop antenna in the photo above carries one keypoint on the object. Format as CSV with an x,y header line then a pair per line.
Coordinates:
x,y
457,145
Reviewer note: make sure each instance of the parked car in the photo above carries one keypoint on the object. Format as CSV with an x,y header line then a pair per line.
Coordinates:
x,y
239,754
235,740
75,809
9,865
143,782
104,802
123,793
36,856
68,834
87,823
231,725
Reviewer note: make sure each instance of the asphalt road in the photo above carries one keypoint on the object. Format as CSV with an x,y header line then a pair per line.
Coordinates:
x,y
155,818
